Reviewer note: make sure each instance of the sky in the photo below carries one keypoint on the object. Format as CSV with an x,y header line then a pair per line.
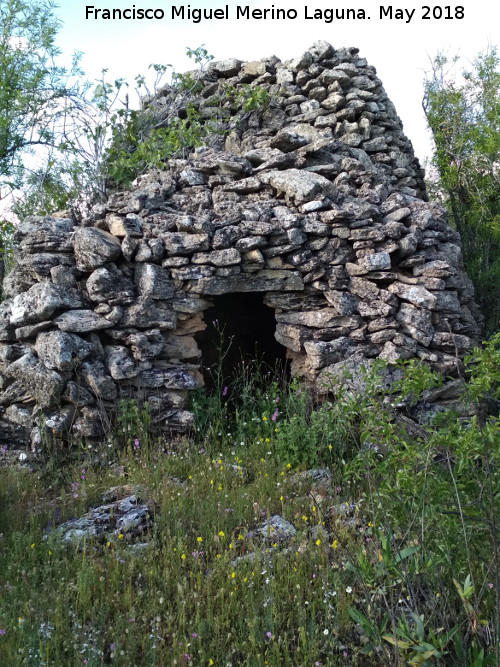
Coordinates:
x,y
401,49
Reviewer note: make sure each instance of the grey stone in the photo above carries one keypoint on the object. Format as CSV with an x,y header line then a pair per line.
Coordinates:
x,y
100,382
94,248
297,185
181,243
108,283
119,362
227,257
415,294
39,303
62,351
81,321
44,386
154,281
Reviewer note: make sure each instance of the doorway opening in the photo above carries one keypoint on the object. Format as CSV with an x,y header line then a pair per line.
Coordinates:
x,y
239,337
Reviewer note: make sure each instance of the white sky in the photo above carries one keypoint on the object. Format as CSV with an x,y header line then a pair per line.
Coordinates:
x,y
400,51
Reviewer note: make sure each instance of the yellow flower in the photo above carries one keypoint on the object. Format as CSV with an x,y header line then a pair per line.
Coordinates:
x,y
199,539
120,536
318,542
232,575
240,536
210,662
334,544
288,465
281,498
221,533
183,557
304,518
264,419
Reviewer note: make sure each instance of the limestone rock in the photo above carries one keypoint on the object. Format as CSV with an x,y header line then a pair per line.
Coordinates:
x,y
62,351
298,186
81,321
94,248
40,302
108,283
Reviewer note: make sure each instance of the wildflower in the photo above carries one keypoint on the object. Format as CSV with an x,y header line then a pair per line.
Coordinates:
x,y
274,416
318,542
325,632
224,391
136,444
264,419
2,631
233,575
288,465
194,635
120,536
490,585
348,589
183,557
335,544
199,539
269,635
221,533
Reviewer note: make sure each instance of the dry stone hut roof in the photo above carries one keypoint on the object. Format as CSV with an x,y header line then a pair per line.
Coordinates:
x,y
316,202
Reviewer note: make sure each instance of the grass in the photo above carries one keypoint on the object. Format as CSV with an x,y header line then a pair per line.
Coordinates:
x,y
409,575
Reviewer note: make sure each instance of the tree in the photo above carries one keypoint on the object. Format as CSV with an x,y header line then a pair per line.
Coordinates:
x,y
34,90
463,113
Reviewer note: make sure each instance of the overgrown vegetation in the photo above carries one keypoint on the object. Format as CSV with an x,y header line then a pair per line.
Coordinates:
x,y
463,113
395,559
173,124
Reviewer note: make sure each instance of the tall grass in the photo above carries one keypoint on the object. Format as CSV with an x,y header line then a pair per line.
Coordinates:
x,y
395,560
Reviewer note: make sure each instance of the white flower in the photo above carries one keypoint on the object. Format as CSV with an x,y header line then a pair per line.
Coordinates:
x,y
325,631
348,589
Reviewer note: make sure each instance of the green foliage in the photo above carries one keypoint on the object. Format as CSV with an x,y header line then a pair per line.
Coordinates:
x,y
146,139
395,560
33,89
463,113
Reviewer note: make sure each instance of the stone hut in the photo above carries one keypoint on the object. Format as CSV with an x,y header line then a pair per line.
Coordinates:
x,y
306,229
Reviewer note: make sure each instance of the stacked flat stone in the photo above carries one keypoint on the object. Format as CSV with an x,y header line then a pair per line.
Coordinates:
x,y
317,202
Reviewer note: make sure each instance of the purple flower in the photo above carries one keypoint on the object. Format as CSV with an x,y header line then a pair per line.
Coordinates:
x,y
224,391
2,631
269,635
194,635
136,444
112,646
3,449
274,415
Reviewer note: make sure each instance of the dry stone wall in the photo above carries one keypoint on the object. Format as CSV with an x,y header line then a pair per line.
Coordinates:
x,y
316,202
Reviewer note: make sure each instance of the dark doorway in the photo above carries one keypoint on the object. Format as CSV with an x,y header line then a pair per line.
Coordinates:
x,y
240,332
